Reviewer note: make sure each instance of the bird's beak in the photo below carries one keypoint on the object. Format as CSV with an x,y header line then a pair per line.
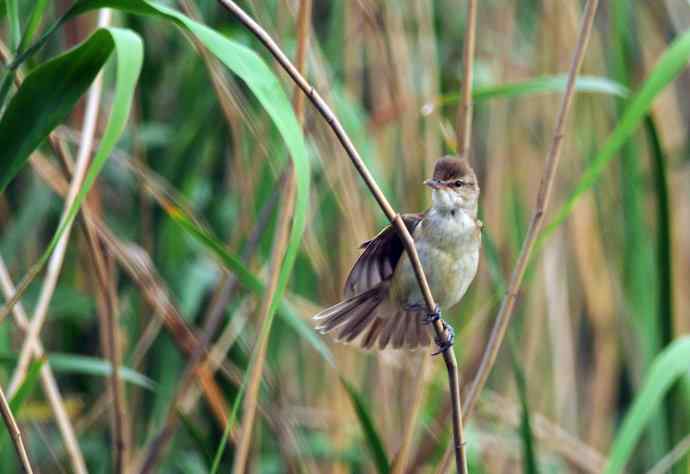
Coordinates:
x,y
433,183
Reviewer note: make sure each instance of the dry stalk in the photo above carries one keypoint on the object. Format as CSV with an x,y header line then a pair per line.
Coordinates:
x,y
15,434
395,218
464,122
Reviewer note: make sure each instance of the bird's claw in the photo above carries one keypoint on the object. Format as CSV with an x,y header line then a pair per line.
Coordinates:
x,y
431,318
444,345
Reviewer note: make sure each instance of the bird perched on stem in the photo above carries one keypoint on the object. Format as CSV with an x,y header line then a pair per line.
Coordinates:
x,y
383,303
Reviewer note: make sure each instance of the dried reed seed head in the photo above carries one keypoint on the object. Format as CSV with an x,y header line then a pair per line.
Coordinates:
x,y
449,168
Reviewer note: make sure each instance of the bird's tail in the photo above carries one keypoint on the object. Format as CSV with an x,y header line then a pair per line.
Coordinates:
x,y
367,318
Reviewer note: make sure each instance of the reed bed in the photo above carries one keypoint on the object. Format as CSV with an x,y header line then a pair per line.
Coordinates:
x,y
171,203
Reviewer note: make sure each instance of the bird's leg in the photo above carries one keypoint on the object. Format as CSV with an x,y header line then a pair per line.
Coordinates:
x,y
443,346
430,318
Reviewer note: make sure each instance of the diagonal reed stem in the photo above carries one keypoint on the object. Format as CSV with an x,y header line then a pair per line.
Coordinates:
x,y
15,434
505,312
395,218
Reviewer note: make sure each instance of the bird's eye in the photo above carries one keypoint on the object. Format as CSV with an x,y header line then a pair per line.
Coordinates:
x,y
457,183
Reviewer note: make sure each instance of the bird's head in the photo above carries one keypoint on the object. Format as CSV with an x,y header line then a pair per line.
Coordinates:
x,y
454,185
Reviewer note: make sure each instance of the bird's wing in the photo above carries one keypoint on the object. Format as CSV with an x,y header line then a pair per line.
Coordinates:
x,y
380,256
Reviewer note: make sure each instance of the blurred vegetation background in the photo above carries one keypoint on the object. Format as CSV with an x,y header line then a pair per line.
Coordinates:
x,y
179,235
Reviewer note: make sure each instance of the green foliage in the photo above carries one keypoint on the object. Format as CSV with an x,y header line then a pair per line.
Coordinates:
x,y
668,366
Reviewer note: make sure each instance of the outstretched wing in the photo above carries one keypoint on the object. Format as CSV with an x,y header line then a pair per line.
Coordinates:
x,y
380,256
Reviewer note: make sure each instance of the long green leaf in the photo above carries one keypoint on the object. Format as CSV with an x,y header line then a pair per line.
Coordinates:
x,y
373,439
671,63
529,457
33,23
97,367
668,366
14,23
85,365
40,94
541,85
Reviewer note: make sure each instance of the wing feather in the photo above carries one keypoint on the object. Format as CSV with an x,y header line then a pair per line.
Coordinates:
x,y
379,258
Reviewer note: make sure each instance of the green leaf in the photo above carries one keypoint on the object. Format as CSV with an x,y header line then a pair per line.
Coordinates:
x,y
47,96
672,363
15,28
373,439
71,363
671,63
27,386
230,423
529,457
33,23
541,85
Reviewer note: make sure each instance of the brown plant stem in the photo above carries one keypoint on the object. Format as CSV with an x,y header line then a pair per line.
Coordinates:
x,y
464,122
15,434
395,219
545,186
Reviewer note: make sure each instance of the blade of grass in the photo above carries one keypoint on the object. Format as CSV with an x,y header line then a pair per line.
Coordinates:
x,y
529,458
540,85
14,23
672,363
33,23
678,401
374,442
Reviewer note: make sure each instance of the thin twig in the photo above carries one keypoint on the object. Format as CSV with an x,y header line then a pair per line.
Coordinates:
x,y
464,122
396,220
15,434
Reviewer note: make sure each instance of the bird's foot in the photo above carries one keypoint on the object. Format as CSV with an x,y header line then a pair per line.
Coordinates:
x,y
431,318
444,345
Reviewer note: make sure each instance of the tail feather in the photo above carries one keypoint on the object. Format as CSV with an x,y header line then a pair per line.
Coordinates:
x,y
373,333
388,330
401,332
365,321
357,323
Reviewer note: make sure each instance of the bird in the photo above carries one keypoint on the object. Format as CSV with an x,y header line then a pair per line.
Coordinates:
x,y
383,305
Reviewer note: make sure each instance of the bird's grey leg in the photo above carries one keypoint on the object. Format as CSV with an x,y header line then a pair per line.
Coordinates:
x,y
430,318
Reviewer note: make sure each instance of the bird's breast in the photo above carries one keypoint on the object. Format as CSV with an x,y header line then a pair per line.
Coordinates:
x,y
448,248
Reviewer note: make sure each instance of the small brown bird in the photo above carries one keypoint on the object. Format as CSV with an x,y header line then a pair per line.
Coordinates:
x,y
384,305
